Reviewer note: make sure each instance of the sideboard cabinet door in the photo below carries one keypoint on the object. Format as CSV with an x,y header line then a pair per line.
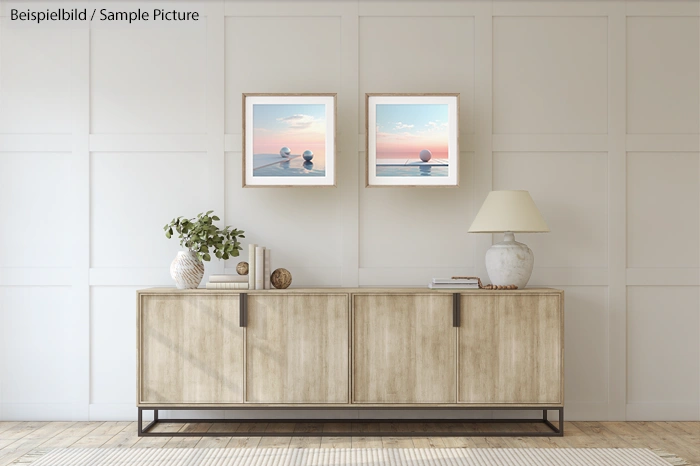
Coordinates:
x,y
297,348
511,349
403,349
191,349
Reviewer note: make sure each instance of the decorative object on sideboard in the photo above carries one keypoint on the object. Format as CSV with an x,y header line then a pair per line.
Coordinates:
x,y
200,237
412,139
509,212
281,279
227,282
455,283
242,268
289,139
486,287
259,267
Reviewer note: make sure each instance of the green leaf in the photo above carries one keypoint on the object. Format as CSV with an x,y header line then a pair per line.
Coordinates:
x,y
215,218
206,257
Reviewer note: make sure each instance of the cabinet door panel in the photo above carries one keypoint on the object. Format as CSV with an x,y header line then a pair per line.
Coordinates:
x,y
510,349
297,348
403,349
191,349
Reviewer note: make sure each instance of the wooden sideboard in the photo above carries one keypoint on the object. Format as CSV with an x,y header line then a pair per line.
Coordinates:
x,y
342,348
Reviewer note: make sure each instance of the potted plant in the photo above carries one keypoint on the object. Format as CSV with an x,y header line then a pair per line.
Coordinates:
x,y
201,238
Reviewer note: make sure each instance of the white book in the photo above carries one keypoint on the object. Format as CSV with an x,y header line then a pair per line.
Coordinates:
x,y
260,268
227,286
251,266
268,271
228,278
455,280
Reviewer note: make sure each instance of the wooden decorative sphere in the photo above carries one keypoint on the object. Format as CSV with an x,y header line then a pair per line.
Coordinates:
x,y
242,268
281,279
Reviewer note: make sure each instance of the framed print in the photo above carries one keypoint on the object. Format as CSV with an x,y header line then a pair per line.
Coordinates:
x,y
412,139
289,139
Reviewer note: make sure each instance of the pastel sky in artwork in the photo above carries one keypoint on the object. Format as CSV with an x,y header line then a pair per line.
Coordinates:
x,y
297,126
406,129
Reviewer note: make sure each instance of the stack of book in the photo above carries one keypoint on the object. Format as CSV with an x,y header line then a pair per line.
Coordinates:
x,y
259,269
454,283
227,282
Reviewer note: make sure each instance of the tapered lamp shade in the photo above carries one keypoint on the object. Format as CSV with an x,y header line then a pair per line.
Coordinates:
x,y
513,211
509,262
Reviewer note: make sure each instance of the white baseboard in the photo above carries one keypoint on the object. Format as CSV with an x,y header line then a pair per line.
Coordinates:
x,y
681,411
44,412
585,411
115,412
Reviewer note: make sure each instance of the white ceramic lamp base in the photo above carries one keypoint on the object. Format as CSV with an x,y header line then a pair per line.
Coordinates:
x,y
509,262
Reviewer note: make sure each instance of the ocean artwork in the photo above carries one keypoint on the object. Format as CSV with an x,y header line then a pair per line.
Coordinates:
x,y
288,140
411,140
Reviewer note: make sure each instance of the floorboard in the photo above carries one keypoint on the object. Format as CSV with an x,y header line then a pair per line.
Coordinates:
x,y
21,438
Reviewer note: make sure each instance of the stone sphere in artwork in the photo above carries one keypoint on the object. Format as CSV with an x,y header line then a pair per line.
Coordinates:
x,y
308,155
281,279
285,152
242,268
425,155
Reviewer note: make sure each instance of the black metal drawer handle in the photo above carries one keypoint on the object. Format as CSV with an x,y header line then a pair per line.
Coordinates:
x,y
243,309
455,309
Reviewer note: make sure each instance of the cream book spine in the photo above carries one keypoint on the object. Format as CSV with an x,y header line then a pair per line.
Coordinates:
x,y
259,267
251,266
268,271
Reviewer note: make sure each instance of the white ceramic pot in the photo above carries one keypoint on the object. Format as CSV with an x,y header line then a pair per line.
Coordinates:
x,y
187,270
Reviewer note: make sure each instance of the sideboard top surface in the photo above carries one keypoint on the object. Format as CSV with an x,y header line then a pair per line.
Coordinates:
x,y
365,290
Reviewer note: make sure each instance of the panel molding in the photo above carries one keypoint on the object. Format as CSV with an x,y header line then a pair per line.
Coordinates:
x,y
80,97
36,276
663,142
36,142
550,142
151,142
617,211
657,276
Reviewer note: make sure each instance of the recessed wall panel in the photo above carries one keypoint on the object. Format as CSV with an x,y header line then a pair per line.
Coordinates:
x,y
550,75
570,190
148,79
586,344
133,195
418,55
37,203
280,55
663,329
35,80
663,71
112,344
663,209
39,345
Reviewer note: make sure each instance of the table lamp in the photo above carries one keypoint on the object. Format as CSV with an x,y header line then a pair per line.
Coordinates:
x,y
509,212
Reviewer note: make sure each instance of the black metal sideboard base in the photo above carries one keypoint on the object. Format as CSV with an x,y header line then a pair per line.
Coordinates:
x,y
555,431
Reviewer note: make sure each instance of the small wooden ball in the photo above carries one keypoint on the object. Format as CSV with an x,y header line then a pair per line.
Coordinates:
x,y
242,268
281,279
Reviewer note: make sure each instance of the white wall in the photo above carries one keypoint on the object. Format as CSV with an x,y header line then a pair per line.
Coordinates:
x,y
107,133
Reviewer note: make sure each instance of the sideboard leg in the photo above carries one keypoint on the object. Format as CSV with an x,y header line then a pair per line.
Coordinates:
x,y
144,431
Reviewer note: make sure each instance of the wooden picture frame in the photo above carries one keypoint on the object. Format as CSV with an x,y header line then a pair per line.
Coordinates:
x,y
416,137
303,125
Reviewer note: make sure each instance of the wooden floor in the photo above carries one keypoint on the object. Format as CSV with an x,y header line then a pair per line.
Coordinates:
x,y
19,438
